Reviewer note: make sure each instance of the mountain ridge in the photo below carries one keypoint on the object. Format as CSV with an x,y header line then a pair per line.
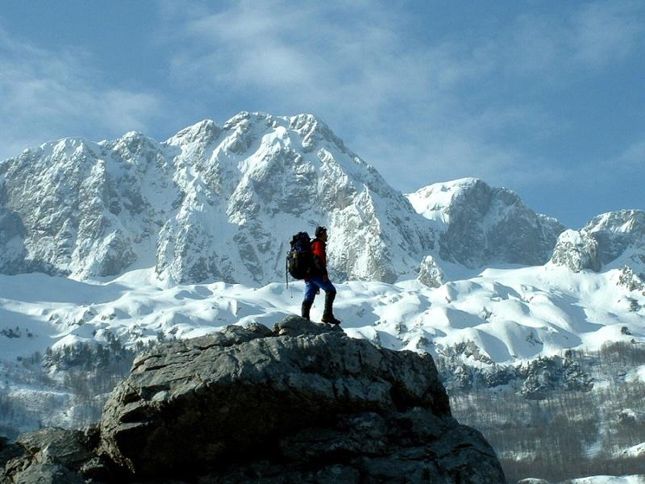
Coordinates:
x,y
146,241
202,192
220,202
480,225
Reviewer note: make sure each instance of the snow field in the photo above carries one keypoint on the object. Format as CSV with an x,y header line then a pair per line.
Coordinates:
x,y
511,314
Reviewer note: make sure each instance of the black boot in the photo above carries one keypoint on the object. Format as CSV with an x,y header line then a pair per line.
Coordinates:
x,y
328,314
306,306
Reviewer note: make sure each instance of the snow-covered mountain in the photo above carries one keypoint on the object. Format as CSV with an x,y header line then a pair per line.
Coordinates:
x,y
220,203
610,240
496,292
210,203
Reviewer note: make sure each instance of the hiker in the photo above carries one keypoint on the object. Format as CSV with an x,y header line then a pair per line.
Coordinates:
x,y
319,279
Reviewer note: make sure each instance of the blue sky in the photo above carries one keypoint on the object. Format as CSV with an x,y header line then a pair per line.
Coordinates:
x,y
544,97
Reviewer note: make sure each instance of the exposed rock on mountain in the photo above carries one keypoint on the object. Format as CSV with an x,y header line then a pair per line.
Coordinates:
x,y
577,251
621,243
81,208
614,238
430,273
210,203
301,403
617,232
535,379
479,224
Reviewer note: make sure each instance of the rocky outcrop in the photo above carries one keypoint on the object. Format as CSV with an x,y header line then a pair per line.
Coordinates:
x,y
430,274
301,403
49,456
617,232
577,251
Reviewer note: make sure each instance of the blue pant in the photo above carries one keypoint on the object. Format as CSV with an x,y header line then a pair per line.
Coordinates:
x,y
315,283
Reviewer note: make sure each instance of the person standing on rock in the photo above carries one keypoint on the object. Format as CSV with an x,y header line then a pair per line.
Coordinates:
x,y
319,279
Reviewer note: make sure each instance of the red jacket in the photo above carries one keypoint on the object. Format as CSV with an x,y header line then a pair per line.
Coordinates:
x,y
320,257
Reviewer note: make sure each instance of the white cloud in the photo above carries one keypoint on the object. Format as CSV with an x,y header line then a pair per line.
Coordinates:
x,y
633,157
606,31
393,98
308,54
556,44
51,94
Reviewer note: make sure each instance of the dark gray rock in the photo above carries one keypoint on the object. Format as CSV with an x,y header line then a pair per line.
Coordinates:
x,y
51,455
8,452
66,447
47,474
303,403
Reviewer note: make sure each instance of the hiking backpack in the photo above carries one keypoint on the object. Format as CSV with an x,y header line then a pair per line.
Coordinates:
x,y
300,258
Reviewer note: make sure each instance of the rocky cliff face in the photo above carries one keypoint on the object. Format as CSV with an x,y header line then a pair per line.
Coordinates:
x,y
480,225
301,403
82,208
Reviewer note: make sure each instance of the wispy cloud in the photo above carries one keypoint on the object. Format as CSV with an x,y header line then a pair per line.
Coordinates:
x,y
605,32
441,107
593,35
297,55
51,94
633,157
514,93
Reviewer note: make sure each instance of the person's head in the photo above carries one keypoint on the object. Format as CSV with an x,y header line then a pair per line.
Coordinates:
x,y
321,233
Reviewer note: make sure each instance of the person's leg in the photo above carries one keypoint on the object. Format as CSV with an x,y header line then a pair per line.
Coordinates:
x,y
305,309
330,295
326,286
310,294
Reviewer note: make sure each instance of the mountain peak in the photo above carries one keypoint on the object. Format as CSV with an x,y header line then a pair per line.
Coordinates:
x,y
434,201
205,130
621,238
309,127
314,130
480,224
618,221
307,120
133,135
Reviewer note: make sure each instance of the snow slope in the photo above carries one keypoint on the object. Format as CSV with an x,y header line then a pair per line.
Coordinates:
x,y
181,237
511,314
